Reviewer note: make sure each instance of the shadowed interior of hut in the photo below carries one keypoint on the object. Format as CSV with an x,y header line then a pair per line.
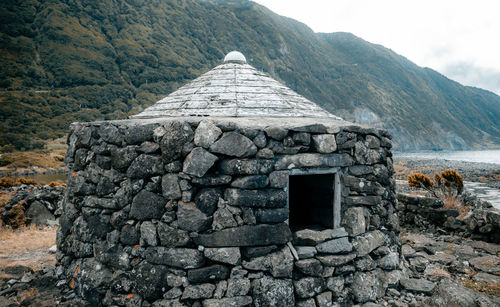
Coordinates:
x,y
311,201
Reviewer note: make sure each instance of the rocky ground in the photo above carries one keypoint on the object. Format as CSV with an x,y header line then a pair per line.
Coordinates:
x,y
440,270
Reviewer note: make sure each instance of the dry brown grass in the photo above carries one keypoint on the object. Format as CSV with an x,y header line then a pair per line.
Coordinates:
x,y
27,246
50,157
38,158
57,184
453,203
7,182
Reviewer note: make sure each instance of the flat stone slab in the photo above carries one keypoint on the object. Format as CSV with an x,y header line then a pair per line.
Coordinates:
x,y
487,278
268,198
184,258
309,237
335,246
305,160
418,285
247,235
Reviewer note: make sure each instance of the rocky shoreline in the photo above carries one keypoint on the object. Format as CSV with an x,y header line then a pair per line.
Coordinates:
x,y
487,173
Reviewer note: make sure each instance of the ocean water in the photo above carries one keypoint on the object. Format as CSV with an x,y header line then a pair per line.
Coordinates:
x,y
481,156
484,156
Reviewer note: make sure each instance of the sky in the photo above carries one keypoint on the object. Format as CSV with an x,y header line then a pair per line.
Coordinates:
x,y
460,39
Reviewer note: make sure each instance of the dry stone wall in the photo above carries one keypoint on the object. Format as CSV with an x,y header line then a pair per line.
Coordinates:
x,y
180,213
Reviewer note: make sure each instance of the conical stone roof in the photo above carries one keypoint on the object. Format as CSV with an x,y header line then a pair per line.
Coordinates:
x,y
234,89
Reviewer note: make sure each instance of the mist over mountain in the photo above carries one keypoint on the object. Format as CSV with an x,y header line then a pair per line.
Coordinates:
x,y
77,60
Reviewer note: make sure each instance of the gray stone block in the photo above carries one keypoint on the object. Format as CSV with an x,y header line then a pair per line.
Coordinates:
x,y
324,143
183,258
172,237
278,179
148,234
336,260
268,291
198,291
367,287
235,145
268,198
191,218
208,274
206,134
335,246
271,215
251,182
212,180
311,237
206,200
237,301
147,205
305,160
305,252
149,280
198,162
310,267
145,166
246,167
170,186
309,286
247,235
418,285
354,221
275,132
229,255
369,241
176,134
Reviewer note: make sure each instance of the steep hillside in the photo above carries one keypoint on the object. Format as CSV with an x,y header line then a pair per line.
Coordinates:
x,y
69,60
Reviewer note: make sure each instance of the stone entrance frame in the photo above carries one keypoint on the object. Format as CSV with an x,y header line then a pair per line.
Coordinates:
x,y
336,187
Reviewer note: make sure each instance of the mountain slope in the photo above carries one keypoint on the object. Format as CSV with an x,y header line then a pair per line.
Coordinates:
x,y
86,60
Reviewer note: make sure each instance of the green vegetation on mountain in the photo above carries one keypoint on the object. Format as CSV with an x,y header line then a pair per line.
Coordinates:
x,y
84,60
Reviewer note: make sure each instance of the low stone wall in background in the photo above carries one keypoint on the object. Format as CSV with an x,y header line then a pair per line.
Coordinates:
x,y
186,213
482,223
41,205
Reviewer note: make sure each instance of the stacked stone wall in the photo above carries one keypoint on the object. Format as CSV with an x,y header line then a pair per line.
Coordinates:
x,y
481,223
195,213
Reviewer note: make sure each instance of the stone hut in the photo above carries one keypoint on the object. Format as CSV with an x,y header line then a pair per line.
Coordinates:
x,y
231,191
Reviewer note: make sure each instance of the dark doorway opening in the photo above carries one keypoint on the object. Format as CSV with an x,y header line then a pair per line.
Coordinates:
x,y
311,201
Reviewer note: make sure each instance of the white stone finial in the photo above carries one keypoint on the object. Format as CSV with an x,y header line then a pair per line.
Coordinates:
x,y
235,57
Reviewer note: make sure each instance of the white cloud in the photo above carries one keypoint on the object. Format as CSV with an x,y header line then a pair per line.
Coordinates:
x,y
437,34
